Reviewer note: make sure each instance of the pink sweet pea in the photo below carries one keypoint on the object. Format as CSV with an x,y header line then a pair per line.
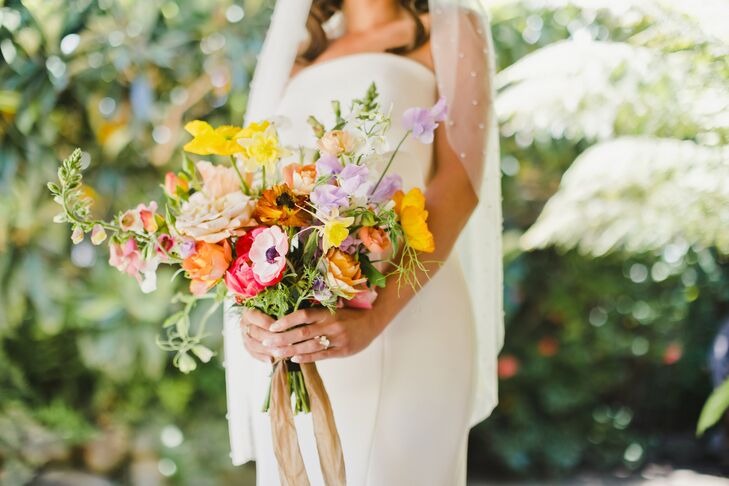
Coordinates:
x,y
422,122
147,215
268,255
363,300
164,245
127,258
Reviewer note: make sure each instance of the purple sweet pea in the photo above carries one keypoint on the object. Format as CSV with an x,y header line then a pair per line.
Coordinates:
x,y
422,122
187,248
389,185
321,291
350,244
328,165
327,197
353,179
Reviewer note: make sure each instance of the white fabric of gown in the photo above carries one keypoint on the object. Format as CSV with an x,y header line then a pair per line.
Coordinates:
x,y
402,405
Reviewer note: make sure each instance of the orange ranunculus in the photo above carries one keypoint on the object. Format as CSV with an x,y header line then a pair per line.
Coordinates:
x,y
343,275
300,178
207,265
374,239
279,205
413,218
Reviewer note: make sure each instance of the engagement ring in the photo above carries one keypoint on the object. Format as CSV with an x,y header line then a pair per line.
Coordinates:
x,y
324,341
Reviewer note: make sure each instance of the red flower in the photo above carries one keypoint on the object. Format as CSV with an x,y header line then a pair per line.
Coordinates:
x,y
508,366
243,245
673,353
547,347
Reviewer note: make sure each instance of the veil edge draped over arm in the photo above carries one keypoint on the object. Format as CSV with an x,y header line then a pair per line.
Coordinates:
x,y
464,59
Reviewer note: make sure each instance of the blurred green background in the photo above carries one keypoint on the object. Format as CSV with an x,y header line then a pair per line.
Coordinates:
x,y
614,290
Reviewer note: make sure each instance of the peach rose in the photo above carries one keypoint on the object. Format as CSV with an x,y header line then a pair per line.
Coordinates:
x,y
207,266
336,142
343,274
218,181
375,239
300,178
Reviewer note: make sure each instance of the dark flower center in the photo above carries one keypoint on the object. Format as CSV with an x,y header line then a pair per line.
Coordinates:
x,y
271,254
285,200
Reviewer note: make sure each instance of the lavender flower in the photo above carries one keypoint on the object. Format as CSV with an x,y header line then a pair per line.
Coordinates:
x,y
353,180
328,165
327,197
422,122
389,185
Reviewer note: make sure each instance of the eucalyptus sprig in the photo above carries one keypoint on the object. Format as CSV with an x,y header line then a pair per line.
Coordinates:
x,y
180,340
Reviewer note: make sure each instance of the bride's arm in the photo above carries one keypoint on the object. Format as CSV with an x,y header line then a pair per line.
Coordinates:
x,y
450,200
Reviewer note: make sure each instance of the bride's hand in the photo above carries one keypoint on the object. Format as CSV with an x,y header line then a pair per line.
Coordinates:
x,y
254,326
349,331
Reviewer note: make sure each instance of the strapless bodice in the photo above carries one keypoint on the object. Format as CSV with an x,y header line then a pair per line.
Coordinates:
x,y
401,82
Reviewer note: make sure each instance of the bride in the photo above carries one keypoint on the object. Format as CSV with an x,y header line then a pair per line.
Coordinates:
x,y
415,373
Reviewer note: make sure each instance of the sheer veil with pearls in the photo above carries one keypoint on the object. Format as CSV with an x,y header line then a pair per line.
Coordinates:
x,y
463,56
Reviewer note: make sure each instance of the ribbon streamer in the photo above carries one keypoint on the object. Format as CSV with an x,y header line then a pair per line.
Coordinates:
x,y
285,440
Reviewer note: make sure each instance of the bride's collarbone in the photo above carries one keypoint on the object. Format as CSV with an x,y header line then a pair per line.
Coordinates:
x,y
380,40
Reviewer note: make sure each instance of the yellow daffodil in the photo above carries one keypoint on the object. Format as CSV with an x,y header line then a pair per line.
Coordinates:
x,y
253,128
261,147
413,218
213,141
335,230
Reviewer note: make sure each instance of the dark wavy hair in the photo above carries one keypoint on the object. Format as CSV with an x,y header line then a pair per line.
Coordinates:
x,y
322,10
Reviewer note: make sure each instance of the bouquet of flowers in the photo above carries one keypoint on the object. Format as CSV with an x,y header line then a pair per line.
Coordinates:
x,y
277,227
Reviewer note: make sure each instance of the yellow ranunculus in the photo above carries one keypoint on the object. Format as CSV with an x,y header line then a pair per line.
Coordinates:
x,y
213,141
413,218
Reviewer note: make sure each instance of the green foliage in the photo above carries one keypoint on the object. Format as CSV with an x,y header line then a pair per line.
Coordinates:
x,y
714,408
77,338
604,361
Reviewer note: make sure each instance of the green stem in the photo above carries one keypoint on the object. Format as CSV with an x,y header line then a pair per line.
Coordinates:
x,y
389,162
246,188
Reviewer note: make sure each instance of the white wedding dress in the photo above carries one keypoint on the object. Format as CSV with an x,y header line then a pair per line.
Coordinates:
x,y
402,405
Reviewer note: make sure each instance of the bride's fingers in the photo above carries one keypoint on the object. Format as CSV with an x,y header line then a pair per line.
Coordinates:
x,y
299,334
256,349
318,355
301,316
257,318
305,347
260,334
